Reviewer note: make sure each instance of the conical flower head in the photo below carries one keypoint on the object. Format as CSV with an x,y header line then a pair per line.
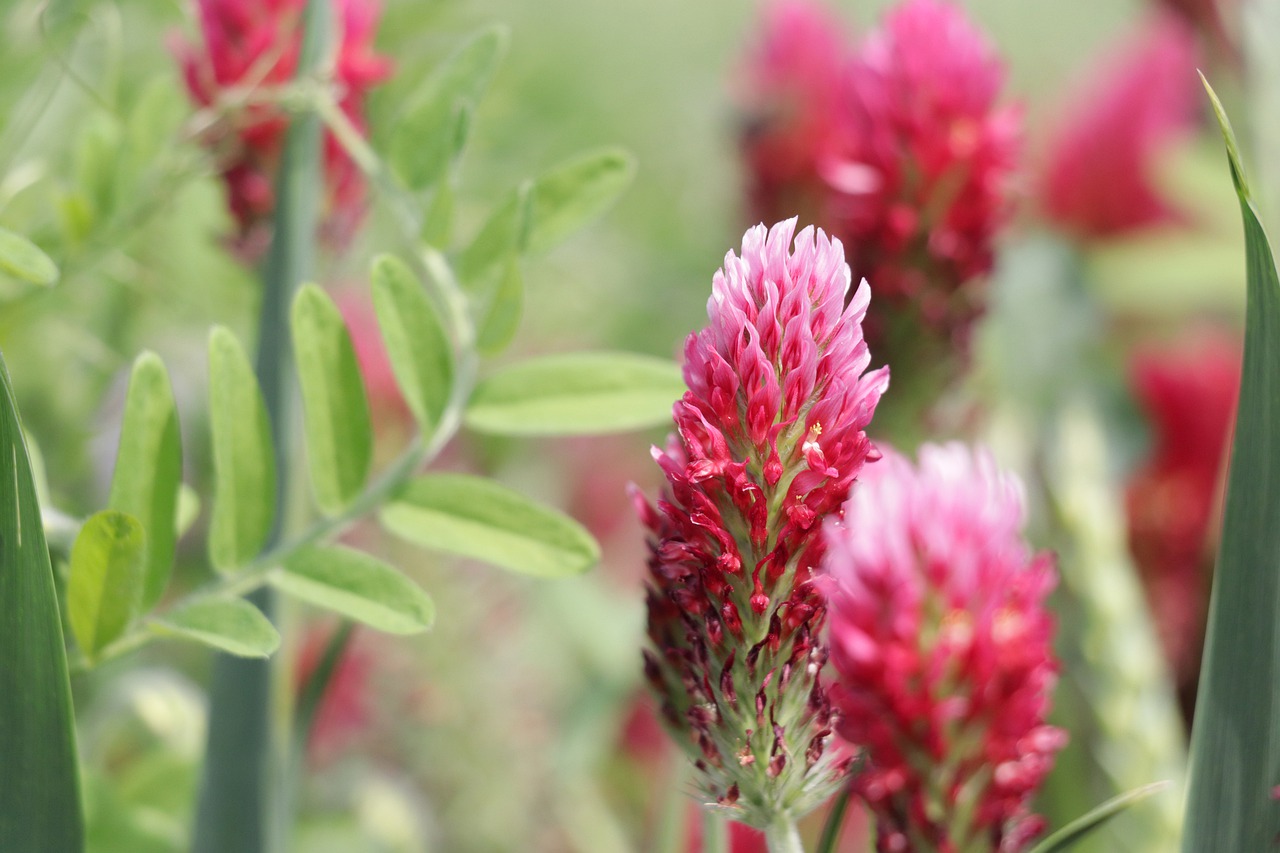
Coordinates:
x,y
769,438
941,652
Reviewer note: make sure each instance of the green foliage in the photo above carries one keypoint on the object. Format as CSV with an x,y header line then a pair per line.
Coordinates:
x,y
148,470
39,783
416,341
1069,835
1235,742
338,427
575,193
108,575
231,625
576,394
244,500
357,586
24,260
477,518
433,130
489,273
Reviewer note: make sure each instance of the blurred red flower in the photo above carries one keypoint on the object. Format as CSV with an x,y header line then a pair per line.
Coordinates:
x,y
941,651
1188,393
249,48
1098,180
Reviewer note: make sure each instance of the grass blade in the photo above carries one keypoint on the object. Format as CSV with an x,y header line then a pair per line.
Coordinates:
x,y
39,780
1069,835
1235,742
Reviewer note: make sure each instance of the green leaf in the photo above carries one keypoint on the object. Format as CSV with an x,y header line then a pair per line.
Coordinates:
x,y
339,431
149,469
357,586
433,131
573,194
500,321
477,518
1072,833
503,235
39,784
24,260
108,575
417,344
1235,742
244,461
231,625
576,394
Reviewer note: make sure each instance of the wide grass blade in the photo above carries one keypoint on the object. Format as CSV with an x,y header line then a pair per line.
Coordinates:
x,y
39,779
1235,743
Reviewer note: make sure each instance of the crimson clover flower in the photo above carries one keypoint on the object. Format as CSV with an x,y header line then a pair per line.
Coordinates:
x,y
1098,179
249,47
941,652
769,438
922,176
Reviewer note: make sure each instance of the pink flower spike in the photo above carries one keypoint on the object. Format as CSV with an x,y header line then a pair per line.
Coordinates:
x,y
770,436
941,650
1098,179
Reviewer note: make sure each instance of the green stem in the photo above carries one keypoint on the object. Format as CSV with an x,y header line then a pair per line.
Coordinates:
x,y
239,805
782,837
715,833
835,821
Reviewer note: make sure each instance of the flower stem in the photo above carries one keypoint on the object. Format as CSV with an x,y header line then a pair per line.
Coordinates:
x,y
782,837
241,803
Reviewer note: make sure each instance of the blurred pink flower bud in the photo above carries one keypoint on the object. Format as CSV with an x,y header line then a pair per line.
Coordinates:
x,y
1098,180
941,651
770,436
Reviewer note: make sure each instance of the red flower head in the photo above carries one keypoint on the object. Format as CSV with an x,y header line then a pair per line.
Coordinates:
x,y
1098,180
770,436
1189,394
941,650
792,100
920,179
251,47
